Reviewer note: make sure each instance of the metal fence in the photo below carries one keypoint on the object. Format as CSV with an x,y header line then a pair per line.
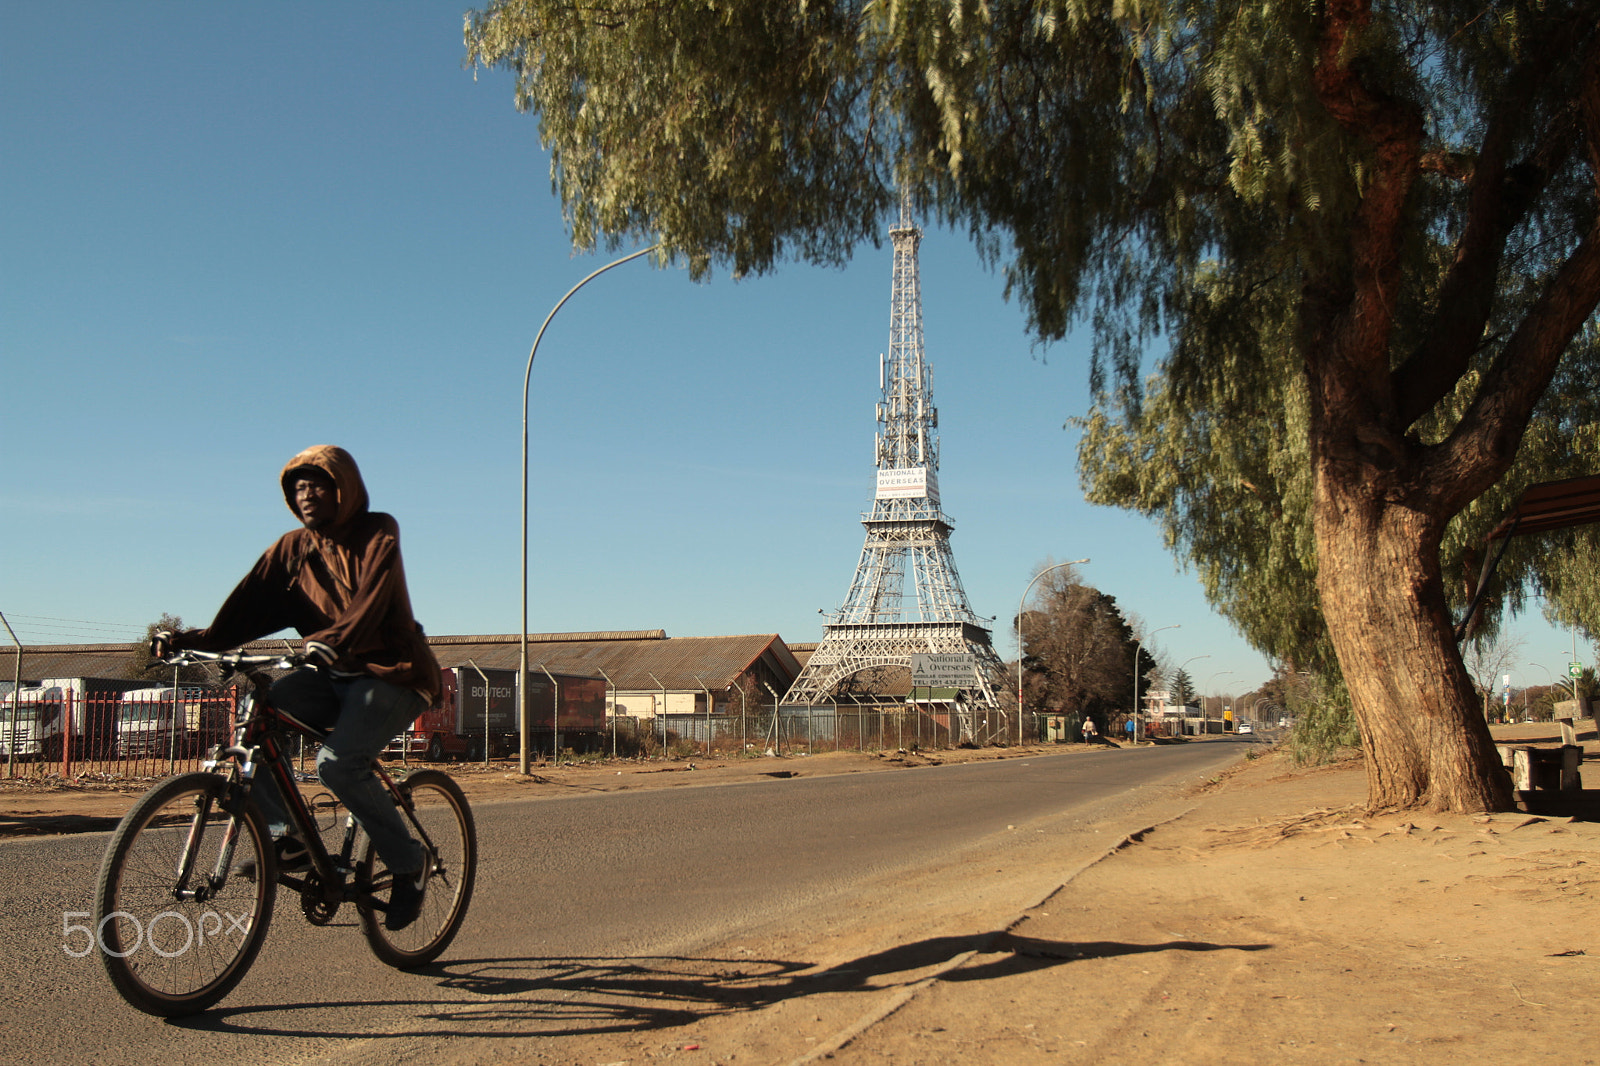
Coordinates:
x,y
814,729
152,733
136,734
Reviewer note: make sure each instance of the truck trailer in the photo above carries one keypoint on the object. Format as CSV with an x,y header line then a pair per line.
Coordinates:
x,y
172,722
66,714
477,712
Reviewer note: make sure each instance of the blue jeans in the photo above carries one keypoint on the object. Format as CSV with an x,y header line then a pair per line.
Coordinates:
x,y
363,714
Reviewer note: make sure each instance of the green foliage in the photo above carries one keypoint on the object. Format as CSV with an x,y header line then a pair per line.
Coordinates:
x,y
140,663
1324,725
1182,688
733,132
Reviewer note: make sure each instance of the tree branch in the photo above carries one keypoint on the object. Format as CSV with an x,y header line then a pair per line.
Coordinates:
x,y
1499,198
1486,439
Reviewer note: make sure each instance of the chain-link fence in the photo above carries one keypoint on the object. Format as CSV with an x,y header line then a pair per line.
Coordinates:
x,y
813,729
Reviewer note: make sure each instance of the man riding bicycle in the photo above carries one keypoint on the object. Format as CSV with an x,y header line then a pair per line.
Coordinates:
x,y
340,584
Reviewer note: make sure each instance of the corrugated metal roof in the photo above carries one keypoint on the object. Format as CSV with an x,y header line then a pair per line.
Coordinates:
x,y
681,663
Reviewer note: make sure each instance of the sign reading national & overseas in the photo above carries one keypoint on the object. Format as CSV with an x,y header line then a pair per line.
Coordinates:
x,y
948,670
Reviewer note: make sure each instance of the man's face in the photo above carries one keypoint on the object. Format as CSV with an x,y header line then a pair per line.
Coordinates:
x,y
315,499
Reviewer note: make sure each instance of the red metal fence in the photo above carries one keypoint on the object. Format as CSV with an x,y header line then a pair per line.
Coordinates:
x,y
152,732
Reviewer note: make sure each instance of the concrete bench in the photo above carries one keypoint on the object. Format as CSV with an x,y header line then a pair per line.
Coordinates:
x,y
1533,769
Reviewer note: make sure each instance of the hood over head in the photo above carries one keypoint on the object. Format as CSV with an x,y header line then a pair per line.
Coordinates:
x,y
339,465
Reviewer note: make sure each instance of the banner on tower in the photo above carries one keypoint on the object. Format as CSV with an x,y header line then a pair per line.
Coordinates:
x,y
908,483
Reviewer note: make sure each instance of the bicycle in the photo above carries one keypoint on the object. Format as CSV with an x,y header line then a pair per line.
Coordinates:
x,y
178,918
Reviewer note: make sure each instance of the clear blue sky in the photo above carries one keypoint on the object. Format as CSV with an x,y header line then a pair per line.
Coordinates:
x,y
232,231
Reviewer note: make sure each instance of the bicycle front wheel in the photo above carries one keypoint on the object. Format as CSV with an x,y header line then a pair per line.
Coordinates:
x,y
440,818
176,929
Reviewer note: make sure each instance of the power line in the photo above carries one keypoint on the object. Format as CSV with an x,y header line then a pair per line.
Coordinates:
x,y
44,629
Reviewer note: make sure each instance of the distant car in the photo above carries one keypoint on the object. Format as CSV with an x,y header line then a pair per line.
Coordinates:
x,y
1246,727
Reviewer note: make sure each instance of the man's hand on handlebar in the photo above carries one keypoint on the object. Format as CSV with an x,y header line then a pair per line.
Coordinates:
x,y
320,654
163,644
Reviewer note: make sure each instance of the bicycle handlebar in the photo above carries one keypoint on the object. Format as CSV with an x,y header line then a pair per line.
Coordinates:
x,y
234,660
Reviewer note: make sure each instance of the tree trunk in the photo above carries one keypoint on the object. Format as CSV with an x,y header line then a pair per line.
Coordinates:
x,y
1425,742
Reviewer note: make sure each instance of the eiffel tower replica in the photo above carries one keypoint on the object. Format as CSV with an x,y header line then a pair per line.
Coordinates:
x,y
880,624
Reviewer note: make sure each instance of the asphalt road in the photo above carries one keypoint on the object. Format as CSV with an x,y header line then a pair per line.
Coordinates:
x,y
572,890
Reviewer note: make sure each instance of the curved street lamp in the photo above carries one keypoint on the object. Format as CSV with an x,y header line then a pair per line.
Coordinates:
x,y
1186,662
1189,660
1138,717
1023,600
522,630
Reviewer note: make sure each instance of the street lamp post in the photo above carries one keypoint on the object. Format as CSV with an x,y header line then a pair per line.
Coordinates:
x,y
1204,717
1186,662
1138,718
707,691
522,631
742,709
663,689
1025,591
612,709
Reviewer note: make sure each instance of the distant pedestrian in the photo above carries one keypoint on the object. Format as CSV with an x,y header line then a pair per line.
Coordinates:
x,y
1090,732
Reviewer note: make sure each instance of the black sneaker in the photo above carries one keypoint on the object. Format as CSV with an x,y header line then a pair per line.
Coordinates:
x,y
405,899
293,858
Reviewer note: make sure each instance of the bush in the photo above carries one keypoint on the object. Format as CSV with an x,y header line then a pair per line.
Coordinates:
x,y
1324,725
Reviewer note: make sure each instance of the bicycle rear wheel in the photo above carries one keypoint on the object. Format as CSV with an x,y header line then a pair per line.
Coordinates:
x,y
176,930
441,818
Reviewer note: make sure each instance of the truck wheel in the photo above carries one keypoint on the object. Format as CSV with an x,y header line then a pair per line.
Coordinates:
x,y
435,749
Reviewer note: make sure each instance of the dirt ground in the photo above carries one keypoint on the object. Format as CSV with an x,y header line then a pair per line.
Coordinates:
x,y
1270,921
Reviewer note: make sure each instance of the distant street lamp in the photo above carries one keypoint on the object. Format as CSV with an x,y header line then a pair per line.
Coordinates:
x,y
1554,685
1138,717
1205,719
1186,662
612,709
1020,603
522,631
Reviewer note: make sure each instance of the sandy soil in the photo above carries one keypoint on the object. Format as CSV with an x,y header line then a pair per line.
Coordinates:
x,y
1274,921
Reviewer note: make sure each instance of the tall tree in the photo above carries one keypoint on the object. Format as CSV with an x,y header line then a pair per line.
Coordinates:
x,y
140,664
1078,650
1182,688
1385,212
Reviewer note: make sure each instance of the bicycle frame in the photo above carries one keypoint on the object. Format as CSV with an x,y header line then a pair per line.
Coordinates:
x,y
257,743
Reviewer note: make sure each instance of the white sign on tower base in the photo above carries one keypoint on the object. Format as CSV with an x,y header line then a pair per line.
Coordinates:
x,y
949,670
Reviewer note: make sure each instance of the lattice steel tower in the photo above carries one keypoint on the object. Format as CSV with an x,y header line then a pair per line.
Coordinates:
x,y
879,624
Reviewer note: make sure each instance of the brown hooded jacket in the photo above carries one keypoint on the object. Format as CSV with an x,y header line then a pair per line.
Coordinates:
x,y
343,585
